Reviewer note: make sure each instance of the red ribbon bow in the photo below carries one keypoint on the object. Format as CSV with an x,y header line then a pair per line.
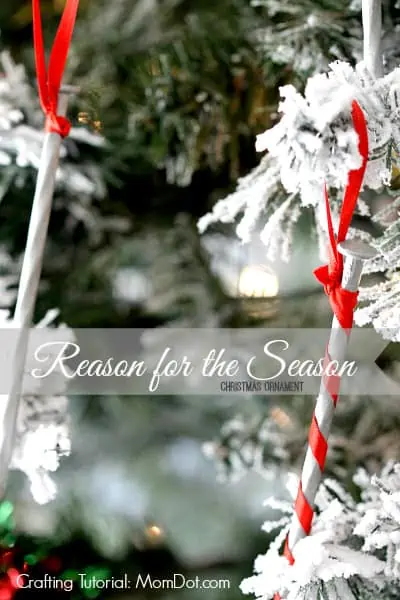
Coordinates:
x,y
49,80
343,302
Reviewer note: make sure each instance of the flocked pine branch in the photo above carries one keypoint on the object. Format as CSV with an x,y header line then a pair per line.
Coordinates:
x,y
259,196
306,35
22,136
352,552
380,523
243,445
314,143
42,435
381,300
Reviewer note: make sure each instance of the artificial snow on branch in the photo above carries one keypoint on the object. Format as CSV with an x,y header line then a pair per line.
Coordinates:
x,y
307,35
380,301
315,144
22,135
259,196
380,522
244,445
352,552
42,434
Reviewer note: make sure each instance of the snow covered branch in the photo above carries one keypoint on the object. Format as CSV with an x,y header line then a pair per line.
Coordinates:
x,y
352,552
42,435
314,143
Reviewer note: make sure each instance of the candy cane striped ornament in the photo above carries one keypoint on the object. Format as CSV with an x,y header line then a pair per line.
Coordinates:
x,y
314,462
341,280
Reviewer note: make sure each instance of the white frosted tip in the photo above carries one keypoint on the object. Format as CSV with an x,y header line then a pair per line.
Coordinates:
x,y
357,249
70,89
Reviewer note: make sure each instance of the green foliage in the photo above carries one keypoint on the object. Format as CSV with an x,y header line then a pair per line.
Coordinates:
x,y
179,88
197,101
305,36
179,96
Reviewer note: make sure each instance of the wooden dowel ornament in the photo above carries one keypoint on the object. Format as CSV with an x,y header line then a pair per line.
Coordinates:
x,y
54,102
341,279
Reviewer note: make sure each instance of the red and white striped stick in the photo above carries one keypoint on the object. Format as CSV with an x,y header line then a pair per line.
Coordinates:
x,y
341,280
341,283
356,252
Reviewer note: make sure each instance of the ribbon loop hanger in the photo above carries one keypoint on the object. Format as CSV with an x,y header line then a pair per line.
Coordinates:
x,y
50,78
343,301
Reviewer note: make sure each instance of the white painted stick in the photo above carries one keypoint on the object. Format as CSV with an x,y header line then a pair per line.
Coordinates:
x,y
29,285
372,32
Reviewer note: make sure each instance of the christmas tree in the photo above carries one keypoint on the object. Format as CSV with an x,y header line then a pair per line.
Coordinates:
x,y
176,99
316,144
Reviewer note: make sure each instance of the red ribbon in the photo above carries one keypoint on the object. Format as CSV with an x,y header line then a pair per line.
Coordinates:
x,y
343,302
49,79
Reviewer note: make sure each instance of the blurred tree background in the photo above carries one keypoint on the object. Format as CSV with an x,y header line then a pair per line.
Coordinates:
x,y
178,90
173,93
